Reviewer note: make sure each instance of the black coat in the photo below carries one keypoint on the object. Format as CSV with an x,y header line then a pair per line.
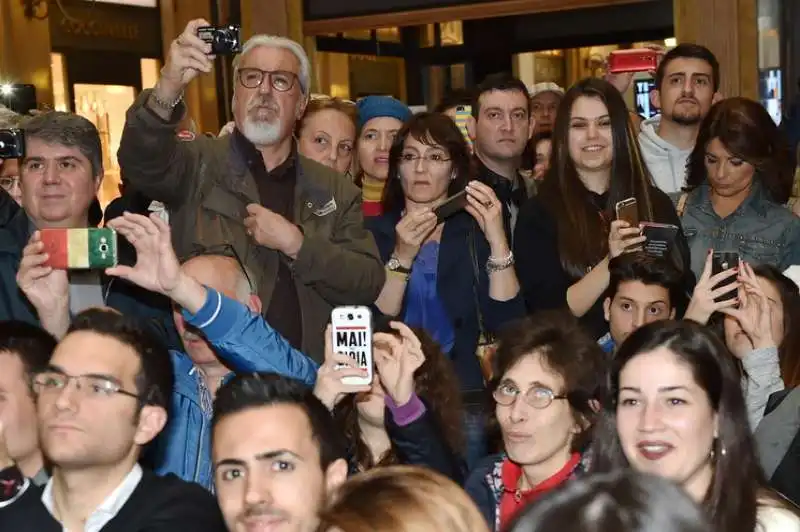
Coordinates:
x,y
158,504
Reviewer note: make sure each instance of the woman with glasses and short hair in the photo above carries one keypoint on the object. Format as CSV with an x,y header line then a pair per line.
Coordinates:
x,y
548,373
327,132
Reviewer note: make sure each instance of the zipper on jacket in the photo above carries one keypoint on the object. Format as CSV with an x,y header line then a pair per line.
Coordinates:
x,y
206,408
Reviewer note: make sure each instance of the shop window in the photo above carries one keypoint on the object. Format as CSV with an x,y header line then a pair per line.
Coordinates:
x,y
452,33
151,70
427,36
388,34
60,93
105,107
361,35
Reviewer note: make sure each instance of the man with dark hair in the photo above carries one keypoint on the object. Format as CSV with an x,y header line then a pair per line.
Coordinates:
x,y
687,85
101,399
60,175
24,351
500,127
642,290
277,453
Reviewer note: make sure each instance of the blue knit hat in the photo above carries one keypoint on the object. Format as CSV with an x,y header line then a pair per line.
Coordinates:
x,y
377,106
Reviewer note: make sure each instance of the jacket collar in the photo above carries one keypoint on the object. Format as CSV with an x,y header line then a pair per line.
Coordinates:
x,y
757,201
312,195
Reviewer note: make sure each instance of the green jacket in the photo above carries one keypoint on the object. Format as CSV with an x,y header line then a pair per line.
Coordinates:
x,y
206,186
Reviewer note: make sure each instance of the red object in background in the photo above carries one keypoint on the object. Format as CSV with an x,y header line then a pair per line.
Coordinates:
x,y
636,60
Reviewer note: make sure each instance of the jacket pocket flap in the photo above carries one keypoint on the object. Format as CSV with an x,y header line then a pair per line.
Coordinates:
x,y
225,204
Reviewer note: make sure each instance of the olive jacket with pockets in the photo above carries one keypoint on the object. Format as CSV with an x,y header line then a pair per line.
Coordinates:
x,y
206,185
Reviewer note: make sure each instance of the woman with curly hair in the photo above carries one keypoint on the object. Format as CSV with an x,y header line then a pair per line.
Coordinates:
x,y
410,415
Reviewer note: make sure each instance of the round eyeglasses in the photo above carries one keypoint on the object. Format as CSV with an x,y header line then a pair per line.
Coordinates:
x,y
538,397
280,80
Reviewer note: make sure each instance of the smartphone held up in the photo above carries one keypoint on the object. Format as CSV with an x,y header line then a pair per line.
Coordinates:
x,y
636,60
351,330
80,249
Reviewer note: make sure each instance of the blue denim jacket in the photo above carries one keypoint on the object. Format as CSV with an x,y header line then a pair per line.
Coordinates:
x,y
763,232
247,344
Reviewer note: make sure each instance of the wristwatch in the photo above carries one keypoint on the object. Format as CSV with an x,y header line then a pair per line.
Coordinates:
x,y
394,265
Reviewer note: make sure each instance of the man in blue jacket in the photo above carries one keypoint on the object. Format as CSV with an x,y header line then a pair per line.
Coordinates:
x,y
221,330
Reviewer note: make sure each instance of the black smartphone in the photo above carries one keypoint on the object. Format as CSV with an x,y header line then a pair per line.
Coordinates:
x,y
721,261
451,206
660,238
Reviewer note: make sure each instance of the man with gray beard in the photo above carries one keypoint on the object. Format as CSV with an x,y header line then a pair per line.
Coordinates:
x,y
296,224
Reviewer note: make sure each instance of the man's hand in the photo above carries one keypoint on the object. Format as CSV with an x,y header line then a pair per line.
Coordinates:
x,y
273,231
188,56
46,288
157,268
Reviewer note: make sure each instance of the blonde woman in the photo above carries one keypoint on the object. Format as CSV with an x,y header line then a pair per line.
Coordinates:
x,y
401,499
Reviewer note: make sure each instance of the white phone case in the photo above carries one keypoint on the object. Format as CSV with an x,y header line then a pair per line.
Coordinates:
x,y
351,328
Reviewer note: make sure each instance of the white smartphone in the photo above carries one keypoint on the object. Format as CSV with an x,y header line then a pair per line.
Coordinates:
x,y
351,328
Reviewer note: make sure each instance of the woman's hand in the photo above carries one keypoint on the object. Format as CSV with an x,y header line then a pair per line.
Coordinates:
x,y
483,205
754,316
412,231
703,303
397,359
622,238
329,387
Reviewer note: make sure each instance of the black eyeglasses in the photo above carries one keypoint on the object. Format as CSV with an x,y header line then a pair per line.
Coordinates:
x,y
91,385
280,80
226,250
506,395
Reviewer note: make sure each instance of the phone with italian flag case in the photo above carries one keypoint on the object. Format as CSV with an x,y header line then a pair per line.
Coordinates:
x,y
91,248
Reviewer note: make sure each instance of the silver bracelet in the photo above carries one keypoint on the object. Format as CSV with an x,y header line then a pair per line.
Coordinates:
x,y
499,264
165,104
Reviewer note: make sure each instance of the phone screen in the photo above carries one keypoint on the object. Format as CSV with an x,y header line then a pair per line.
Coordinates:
x,y
351,328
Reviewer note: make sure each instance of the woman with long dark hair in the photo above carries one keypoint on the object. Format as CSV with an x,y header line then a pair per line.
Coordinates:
x,y
450,274
739,176
566,235
677,411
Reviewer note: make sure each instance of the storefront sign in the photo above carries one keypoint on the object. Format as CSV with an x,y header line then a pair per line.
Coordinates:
x,y
106,27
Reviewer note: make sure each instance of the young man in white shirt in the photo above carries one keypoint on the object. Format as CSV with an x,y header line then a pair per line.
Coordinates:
x,y
687,85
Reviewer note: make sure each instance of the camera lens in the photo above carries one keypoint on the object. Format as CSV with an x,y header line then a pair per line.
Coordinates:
x,y
349,316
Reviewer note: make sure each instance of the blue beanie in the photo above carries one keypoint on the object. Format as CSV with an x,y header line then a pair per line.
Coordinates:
x,y
377,106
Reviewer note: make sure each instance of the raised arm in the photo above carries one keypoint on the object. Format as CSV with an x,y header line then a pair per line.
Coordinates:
x,y
151,157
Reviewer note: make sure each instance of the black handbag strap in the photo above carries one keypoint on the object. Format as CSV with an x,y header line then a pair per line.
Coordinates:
x,y
473,254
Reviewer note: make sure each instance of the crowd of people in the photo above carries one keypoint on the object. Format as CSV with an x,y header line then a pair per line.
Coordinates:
x,y
540,362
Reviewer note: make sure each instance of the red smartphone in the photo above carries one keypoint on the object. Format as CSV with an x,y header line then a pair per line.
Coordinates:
x,y
636,60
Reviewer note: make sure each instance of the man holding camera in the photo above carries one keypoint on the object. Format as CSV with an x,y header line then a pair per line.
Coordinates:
x,y
297,224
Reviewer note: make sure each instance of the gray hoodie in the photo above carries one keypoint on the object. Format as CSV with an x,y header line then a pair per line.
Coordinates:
x,y
666,163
